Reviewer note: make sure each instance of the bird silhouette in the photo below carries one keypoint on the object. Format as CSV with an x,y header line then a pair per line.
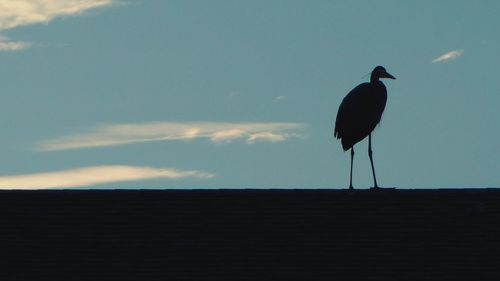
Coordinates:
x,y
360,112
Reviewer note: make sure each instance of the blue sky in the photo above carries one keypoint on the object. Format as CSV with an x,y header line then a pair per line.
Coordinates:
x,y
244,94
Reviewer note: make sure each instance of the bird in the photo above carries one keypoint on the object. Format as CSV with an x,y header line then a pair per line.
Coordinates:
x,y
360,112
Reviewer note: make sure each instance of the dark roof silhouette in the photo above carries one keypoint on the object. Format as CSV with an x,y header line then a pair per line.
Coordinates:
x,y
250,235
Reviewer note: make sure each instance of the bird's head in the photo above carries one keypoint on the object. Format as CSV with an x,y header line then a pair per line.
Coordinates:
x,y
380,72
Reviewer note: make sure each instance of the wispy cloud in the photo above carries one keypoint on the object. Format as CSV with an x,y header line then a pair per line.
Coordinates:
x,y
267,136
280,98
16,13
90,176
121,134
8,45
448,56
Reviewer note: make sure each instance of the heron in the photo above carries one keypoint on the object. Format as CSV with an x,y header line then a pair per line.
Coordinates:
x,y
360,112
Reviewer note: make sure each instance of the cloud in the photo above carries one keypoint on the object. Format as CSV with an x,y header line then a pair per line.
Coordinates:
x,y
280,98
95,175
217,132
267,136
16,13
448,56
7,45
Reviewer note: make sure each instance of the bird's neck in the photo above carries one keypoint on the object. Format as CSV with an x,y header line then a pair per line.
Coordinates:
x,y
373,78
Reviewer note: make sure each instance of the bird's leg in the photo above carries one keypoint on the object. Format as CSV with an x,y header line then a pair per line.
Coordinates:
x,y
352,157
370,153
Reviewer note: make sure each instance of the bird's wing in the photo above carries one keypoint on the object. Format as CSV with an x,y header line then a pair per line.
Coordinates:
x,y
359,113
349,110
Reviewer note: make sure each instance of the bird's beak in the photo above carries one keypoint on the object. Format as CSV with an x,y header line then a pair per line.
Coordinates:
x,y
387,75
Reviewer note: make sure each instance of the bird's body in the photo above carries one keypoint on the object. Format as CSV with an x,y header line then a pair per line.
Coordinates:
x,y
360,112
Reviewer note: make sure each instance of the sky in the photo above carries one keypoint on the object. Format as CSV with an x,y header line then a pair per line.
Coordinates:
x,y
156,94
